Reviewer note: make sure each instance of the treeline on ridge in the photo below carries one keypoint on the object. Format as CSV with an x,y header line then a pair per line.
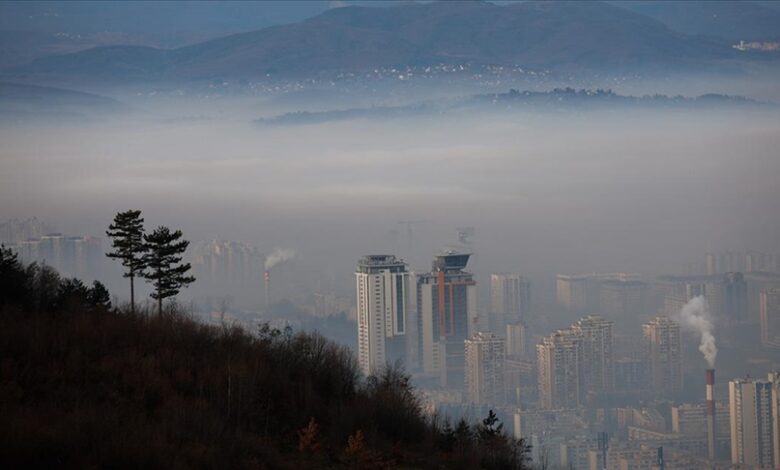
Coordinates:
x,y
84,384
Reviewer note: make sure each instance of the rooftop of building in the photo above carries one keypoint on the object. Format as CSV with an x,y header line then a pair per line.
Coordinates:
x,y
561,336
662,320
613,276
762,276
697,278
592,320
450,260
623,284
381,262
485,336
509,275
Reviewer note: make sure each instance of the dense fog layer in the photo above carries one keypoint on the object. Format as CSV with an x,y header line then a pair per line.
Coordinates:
x,y
637,190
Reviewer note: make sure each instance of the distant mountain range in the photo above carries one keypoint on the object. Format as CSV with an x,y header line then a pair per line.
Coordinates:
x,y
559,36
559,99
20,47
19,102
729,20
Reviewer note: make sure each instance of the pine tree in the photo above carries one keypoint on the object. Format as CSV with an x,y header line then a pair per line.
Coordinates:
x,y
13,288
448,438
491,427
71,293
463,433
163,266
127,234
99,296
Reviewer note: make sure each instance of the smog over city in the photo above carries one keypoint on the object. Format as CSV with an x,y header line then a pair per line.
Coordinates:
x,y
379,234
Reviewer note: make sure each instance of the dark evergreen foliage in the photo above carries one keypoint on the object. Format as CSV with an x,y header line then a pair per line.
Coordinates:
x,y
39,289
13,288
127,240
162,264
99,295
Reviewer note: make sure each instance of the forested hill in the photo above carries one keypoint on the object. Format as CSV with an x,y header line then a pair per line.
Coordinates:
x,y
560,36
85,385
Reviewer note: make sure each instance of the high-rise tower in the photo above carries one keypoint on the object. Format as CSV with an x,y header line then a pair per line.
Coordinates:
x,y
623,302
752,428
516,339
382,304
560,363
510,300
769,312
447,313
597,345
485,369
664,354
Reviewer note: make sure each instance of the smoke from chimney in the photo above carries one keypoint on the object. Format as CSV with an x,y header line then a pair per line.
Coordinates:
x,y
279,255
695,317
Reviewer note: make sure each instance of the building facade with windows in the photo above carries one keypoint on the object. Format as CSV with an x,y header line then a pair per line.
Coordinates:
x,y
382,303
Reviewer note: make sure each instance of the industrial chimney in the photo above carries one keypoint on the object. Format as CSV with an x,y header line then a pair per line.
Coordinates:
x,y
710,412
267,278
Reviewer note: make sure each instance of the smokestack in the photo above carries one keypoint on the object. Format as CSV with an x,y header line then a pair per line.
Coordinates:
x,y
710,412
267,277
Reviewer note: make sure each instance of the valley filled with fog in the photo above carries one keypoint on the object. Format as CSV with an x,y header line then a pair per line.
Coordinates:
x,y
642,189
384,234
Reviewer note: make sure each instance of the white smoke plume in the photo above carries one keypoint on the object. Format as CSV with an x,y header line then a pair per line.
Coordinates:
x,y
695,317
278,256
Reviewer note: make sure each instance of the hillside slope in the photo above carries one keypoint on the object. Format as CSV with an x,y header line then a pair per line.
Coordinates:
x,y
83,385
730,20
19,102
549,35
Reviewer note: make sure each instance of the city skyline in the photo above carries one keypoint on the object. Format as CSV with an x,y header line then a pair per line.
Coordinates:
x,y
358,234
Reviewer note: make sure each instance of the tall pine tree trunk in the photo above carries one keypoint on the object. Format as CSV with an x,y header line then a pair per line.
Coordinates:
x,y
159,306
132,295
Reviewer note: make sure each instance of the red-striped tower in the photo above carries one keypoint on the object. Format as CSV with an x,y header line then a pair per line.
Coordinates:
x,y
710,411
